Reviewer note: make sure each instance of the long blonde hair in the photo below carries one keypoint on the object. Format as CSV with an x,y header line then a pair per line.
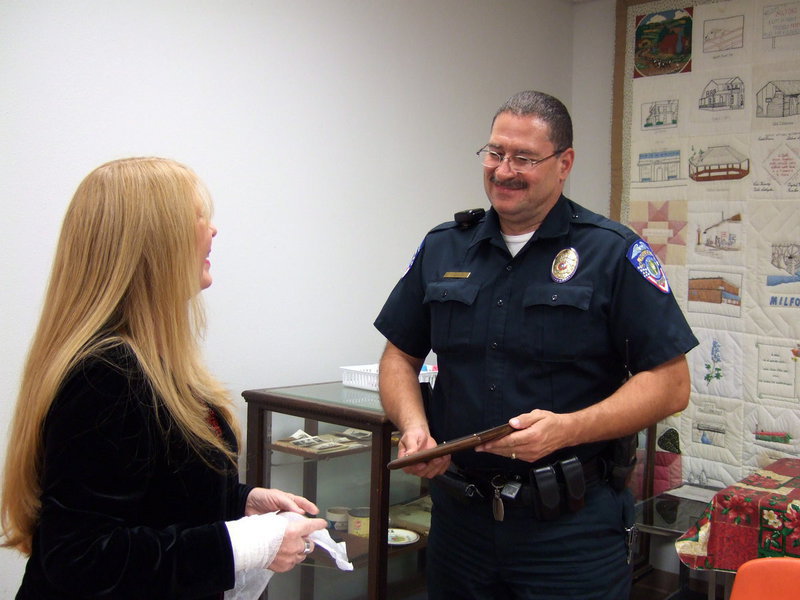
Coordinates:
x,y
125,272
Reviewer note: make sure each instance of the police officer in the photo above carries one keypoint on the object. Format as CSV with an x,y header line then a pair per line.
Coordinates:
x,y
538,311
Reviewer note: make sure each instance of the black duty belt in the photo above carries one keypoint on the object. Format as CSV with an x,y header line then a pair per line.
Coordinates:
x,y
545,492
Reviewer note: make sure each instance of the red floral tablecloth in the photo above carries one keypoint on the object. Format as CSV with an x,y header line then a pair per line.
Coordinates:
x,y
755,517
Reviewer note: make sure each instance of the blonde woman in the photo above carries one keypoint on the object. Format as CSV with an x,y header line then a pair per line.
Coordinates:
x,y
120,476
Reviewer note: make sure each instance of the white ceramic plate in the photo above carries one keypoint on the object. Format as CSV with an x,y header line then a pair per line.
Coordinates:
x,y
402,537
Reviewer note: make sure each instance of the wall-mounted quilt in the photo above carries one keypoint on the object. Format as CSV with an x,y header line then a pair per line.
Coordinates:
x,y
707,137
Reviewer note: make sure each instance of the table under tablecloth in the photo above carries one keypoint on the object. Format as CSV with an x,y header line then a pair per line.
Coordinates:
x,y
756,517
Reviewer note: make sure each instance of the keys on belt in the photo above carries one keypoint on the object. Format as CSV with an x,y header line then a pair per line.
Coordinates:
x,y
503,489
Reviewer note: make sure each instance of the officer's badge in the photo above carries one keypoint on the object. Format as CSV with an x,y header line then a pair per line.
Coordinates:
x,y
644,259
564,265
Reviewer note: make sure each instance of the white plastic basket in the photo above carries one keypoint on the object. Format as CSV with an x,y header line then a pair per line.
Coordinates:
x,y
365,377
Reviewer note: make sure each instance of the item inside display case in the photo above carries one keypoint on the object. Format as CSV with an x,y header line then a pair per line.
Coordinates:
x,y
341,442
415,515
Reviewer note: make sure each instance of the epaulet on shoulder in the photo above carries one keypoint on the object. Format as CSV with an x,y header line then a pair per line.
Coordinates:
x,y
462,220
583,215
444,226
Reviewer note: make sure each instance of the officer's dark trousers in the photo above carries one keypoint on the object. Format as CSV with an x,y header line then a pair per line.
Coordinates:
x,y
582,556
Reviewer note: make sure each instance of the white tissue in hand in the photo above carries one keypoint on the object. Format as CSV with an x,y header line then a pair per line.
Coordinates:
x,y
323,539
250,584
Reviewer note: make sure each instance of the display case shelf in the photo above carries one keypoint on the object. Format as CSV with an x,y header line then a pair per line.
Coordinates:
x,y
334,405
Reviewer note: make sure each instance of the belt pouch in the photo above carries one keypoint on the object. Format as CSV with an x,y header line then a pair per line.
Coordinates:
x,y
574,483
623,461
458,487
548,496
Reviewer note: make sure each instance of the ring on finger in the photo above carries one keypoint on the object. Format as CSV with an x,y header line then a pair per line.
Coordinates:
x,y
307,547
513,456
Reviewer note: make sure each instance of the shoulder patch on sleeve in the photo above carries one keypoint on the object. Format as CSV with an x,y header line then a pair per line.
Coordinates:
x,y
644,259
413,258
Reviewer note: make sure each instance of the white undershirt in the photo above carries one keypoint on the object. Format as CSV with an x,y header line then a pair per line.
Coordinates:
x,y
516,242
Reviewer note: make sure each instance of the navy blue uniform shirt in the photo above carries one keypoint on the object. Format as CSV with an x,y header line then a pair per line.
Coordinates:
x,y
509,338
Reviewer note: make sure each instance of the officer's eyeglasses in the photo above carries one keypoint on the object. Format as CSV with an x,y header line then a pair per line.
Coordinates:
x,y
520,164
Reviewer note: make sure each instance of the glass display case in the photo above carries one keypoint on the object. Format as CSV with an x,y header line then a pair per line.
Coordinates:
x,y
336,442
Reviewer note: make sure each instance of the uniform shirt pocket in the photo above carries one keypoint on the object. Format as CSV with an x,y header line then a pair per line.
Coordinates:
x,y
452,316
557,322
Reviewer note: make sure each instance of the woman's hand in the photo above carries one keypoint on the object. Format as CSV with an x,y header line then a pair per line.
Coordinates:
x,y
295,546
263,500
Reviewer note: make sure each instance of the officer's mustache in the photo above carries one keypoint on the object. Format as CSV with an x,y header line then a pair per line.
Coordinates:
x,y
514,184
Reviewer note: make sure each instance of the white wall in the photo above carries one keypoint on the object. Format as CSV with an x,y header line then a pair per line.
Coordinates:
x,y
332,134
592,91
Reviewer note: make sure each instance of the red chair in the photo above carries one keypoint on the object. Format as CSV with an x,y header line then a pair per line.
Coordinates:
x,y
773,578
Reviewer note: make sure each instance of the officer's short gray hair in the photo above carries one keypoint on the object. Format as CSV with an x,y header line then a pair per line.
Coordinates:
x,y
547,108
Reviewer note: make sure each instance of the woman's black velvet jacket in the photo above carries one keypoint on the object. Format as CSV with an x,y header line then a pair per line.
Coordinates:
x,y
128,510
